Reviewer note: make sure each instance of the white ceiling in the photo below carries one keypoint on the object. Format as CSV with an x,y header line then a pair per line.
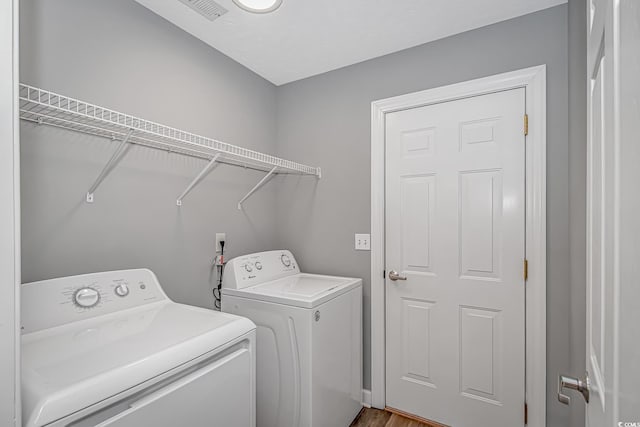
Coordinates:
x,y
308,37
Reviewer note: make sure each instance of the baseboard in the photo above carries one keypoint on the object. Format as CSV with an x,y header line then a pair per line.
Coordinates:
x,y
366,398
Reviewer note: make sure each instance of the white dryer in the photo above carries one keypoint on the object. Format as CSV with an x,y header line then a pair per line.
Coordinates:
x,y
309,339
110,349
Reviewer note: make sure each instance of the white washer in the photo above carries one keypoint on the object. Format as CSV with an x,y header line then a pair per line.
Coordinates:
x,y
110,349
309,339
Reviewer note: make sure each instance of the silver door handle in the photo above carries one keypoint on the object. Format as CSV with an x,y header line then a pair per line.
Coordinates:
x,y
573,384
393,275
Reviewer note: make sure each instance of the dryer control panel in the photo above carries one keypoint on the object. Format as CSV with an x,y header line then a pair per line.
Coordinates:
x,y
54,302
250,270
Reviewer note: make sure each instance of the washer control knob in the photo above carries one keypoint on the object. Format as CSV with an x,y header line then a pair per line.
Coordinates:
x,y
86,297
248,268
285,260
258,265
122,290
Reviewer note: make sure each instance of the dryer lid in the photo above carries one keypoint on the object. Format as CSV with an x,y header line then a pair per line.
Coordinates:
x,y
73,366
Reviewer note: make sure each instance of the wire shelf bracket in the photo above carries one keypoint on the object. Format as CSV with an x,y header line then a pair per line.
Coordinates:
x,y
111,164
257,186
49,108
204,172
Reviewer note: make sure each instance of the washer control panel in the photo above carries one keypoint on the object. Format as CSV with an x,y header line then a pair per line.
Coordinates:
x,y
249,270
54,302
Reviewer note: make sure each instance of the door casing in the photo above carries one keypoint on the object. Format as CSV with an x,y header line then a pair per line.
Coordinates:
x,y
10,411
534,81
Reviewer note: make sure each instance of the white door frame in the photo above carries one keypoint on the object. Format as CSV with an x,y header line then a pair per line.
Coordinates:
x,y
9,217
534,81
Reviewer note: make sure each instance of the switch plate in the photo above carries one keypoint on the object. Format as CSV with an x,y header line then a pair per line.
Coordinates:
x,y
363,242
220,237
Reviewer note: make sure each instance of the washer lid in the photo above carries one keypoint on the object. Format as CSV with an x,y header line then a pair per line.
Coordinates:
x,y
70,367
300,290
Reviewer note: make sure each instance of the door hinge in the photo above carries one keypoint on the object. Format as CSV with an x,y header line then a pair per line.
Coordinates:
x,y
526,124
384,274
526,413
526,269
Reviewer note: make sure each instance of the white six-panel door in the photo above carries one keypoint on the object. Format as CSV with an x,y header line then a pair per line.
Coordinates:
x,y
455,228
613,224
600,219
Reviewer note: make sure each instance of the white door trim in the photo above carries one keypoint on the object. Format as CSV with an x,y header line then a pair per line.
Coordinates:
x,y
9,218
534,81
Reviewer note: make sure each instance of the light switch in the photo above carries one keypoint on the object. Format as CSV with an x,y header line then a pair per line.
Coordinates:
x,y
363,242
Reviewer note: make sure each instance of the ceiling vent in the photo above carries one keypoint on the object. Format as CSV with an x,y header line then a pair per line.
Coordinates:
x,y
207,8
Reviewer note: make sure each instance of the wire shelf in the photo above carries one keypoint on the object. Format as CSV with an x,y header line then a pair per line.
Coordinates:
x,y
45,107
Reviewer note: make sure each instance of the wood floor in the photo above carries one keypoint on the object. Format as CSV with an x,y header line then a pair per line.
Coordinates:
x,y
370,417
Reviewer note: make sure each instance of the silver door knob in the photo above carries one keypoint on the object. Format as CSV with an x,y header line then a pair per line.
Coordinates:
x,y
393,275
572,384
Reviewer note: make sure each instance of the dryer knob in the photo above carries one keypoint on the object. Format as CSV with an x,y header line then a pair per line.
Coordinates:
x,y
285,260
122,290
86,297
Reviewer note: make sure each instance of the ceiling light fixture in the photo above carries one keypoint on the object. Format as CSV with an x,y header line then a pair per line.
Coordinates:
x,y
258,6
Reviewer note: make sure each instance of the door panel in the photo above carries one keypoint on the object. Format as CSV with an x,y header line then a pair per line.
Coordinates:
x,y
600,217
416,329
480,353
598,255
417,198
455,229
479,223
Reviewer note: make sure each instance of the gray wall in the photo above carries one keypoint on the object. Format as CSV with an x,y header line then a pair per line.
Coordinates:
x,y
120,55
578,192
325,120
